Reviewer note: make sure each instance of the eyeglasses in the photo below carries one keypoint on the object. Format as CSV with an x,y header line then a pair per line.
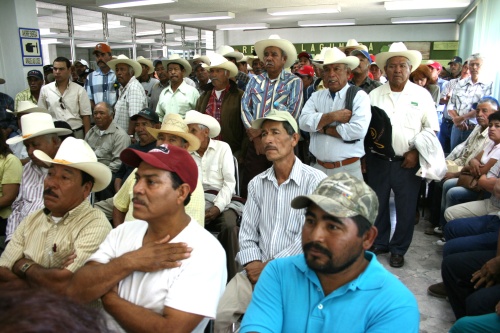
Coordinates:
x,y
61,103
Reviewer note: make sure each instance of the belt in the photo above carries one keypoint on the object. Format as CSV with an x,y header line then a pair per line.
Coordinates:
x,y
333,165
77,129
449,121
390,159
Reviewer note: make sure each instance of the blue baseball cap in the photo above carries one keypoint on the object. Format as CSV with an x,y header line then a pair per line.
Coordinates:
x,y
35,73
364,53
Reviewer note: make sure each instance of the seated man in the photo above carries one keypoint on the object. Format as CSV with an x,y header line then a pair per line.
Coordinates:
x,y
335,280
269,229
52,243
175,133
107,140
39,133
216,166
129,269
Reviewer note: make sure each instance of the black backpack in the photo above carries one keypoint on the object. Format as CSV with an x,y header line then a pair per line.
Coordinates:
x,y
378,139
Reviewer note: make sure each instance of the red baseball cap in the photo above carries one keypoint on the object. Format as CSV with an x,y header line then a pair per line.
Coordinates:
x,y
102,47
304,54
306,70
435,65
165,157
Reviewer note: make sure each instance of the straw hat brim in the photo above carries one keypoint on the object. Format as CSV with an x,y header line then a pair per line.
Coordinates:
x,y
30,110
134,64
100,172
233,70
351,62
206,120
58,131
415,58
237,55
149,63
283,44
194,142
187,67
204,59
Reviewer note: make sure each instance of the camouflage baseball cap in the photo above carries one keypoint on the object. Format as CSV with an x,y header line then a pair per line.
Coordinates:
x,y
342,195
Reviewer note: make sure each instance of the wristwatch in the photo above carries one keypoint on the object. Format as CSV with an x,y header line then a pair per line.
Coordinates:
x,y
25,267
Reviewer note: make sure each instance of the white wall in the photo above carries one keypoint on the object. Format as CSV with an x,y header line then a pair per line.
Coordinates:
x,y
377,33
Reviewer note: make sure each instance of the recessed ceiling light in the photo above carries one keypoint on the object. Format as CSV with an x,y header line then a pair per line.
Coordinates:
x,y
304,10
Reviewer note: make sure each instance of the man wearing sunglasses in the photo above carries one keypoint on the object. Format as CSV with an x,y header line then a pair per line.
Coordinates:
x,y
66,100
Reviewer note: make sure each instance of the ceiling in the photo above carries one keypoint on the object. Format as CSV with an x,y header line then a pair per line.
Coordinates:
x,y
365,12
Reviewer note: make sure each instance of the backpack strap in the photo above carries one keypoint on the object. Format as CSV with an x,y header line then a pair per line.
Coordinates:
x,y
349,96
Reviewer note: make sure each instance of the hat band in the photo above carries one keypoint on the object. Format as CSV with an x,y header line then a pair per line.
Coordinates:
x,y
56,160
27,136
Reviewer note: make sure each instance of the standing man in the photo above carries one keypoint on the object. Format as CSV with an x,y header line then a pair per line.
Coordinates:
x,y
107,140
222,100
35,83
336,279
234,56
466,94
132,98
274,85
337,133
360,74
157,89
81,66
178,97
455,67
100,84
145,78
305,59
66,100
202,77
306,74
411,110
257,66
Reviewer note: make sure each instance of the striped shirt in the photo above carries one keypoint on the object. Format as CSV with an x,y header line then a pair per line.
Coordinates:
x,y
48,243
467,93
100,87
270,228
262,92
30,197
132,100
467,150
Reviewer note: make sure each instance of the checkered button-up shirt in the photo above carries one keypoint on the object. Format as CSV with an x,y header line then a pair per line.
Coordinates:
x,y
467,93
131,100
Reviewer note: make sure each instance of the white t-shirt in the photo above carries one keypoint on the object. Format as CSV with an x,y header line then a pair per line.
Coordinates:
x,y
194,287
490,151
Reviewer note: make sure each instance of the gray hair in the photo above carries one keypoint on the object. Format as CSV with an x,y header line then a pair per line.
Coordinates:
x,y
108,107
202,127
475,56
131,70
490,100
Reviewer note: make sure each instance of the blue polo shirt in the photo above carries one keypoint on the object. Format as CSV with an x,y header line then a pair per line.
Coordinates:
x,y
289,298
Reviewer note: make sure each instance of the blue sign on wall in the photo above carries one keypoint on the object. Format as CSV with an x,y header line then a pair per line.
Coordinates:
x,y
31,47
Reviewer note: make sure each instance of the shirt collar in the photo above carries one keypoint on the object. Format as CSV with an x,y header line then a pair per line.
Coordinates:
x,y
78,210
180,87
295,174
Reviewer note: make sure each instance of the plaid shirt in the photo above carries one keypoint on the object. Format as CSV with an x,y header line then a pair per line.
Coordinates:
x,y
100,87
214,106
24,95
262,92
368,84
467,93
7,120
132,100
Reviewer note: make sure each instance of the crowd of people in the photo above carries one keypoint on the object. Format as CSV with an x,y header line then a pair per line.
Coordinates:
x,y
253,190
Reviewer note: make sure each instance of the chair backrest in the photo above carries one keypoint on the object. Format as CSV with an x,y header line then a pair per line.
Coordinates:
x,y
236,176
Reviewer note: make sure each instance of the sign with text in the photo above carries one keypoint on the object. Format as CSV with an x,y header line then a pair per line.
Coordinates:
x,y
31,47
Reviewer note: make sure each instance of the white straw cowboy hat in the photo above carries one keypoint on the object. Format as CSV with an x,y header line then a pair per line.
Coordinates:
x,y
335,56
76,153
147,62
218,61
229,52
123,59
37,124
399,50
175,125
319,58
195,117
176,59
275,40
353,44
24,107
203,58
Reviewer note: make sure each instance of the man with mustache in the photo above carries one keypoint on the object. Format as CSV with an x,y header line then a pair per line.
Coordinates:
x,y
269,229
35,82
336,285
39,133
262,92
100,84
337,129
55,241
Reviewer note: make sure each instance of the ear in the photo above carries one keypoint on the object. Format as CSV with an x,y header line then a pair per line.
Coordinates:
x,y
183,192
87,188
295,139
369,237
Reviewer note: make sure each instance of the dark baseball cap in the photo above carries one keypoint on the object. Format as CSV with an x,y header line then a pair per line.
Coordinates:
x,y
48,68
455,59
148,114
304,54
35,73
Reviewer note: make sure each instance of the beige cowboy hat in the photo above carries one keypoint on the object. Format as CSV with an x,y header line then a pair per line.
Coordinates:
x,y
399,50
76,153
228,51
319,58
123,59
335,56
275,40
147,62
24,107
353,44
175,125
37,124
219,61
195,117
176,59
197,57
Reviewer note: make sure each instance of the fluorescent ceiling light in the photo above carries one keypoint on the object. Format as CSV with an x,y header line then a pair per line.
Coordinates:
x,y
173,44
51,31
427,19
153,32
326,23
92,45
249,26
304,10
51,41
98,26
202,17
425,4
189,38
133,3
144,41
44,12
